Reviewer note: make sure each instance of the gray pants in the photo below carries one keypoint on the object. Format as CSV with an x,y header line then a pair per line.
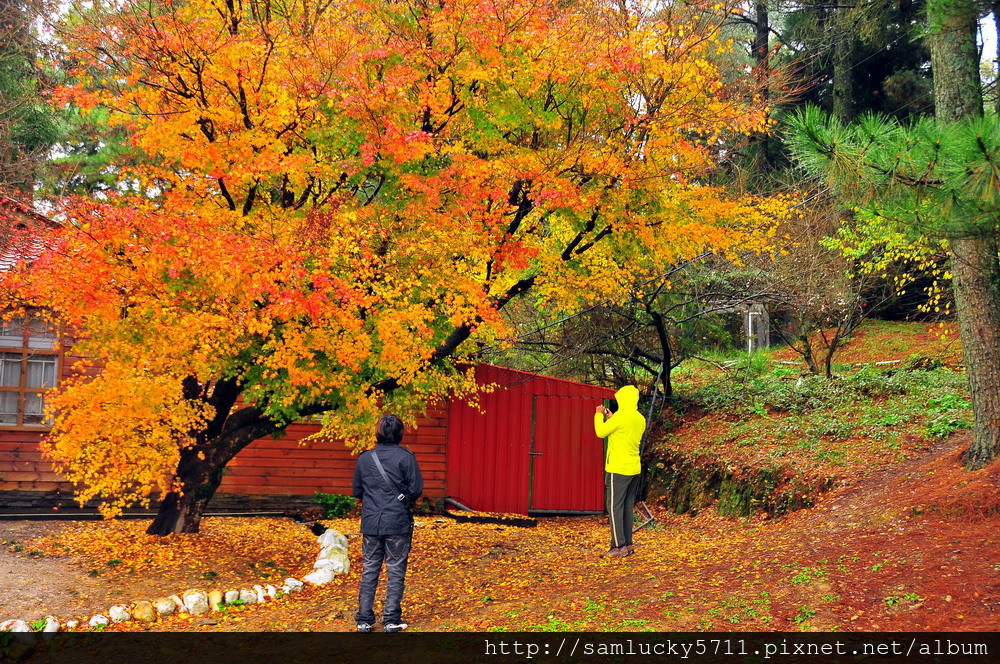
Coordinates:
x,y
619,498
394,550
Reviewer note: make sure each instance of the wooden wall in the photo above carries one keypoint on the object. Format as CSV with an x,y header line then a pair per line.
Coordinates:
x,y
284,466
291,466
21,465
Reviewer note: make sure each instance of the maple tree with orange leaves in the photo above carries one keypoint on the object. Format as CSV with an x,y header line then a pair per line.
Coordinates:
x,y
336,197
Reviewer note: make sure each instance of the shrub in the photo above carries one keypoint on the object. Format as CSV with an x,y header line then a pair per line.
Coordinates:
x,y
334,505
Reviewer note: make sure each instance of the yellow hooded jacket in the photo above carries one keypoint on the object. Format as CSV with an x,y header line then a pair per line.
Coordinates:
x,y
624,433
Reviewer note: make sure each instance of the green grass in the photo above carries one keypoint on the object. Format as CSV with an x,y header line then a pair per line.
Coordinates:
x,y
828,418
791,436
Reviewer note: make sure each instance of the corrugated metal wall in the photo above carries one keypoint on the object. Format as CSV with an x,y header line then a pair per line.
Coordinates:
x,y
531,448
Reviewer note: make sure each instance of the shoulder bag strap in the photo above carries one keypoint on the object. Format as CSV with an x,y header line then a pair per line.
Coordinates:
x,y
400,496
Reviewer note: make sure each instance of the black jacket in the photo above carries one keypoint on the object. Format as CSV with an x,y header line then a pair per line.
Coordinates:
x,y
381,512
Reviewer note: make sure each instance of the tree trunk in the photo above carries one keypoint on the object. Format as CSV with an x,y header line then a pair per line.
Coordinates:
x,y
954,59
807,353
661,333
996,55
181,511
828,360
843,78
760,49
976,271
974,262
200,470
667,381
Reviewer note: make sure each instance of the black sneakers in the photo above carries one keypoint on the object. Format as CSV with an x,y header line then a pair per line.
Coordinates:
x,y
368,628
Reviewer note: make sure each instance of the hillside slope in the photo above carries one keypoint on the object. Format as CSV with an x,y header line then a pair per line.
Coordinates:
x,y
754,434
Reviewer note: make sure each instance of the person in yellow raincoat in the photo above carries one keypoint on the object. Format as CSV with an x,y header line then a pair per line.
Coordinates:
x,y
622,466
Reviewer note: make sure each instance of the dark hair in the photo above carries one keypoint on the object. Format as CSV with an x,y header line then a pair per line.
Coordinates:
x,y
389,430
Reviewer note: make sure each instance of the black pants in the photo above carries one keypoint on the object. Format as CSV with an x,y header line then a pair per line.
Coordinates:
x,y
394,550
619,498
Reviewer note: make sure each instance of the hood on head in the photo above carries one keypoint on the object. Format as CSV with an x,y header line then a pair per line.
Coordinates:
x,y
627,398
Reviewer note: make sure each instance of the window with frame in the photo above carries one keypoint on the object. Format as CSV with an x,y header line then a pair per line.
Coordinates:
x,y
29,364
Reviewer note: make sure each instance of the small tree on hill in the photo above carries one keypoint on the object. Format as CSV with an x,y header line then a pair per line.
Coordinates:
x,y
820,293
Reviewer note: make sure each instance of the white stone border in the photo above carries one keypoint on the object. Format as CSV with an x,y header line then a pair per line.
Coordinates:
x,y
333,559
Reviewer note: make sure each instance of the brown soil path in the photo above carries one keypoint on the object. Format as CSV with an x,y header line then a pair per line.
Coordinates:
x,y
32,587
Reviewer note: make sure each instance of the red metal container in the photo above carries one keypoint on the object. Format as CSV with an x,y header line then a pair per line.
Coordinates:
x,y
531,447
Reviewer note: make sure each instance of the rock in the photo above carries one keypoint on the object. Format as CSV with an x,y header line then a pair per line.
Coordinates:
x,y
144,612
335,558
331,551
164,606
270,591
248,596
332,538
119,613
261,595
178,602
319,577
17,626
51,625
98,620
196,602
335,566
72,624
231,596
294,585
215,598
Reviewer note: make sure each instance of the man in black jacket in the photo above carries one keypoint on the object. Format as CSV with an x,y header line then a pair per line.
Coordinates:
x,y
387,481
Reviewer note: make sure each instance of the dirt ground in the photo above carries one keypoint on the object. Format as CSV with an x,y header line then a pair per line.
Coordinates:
x,y
32,587
35,583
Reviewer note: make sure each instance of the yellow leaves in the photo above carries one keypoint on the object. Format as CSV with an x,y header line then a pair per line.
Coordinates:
x,y
251,549
118,435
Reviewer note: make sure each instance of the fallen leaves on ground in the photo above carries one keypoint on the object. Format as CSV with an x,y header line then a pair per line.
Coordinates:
x,y
909,547
227,549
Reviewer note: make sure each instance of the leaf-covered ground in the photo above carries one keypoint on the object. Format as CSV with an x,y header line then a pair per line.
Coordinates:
x,y
908,548
887,341
903,541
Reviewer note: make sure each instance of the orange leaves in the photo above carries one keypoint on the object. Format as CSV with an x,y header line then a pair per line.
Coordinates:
x,y
118,436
